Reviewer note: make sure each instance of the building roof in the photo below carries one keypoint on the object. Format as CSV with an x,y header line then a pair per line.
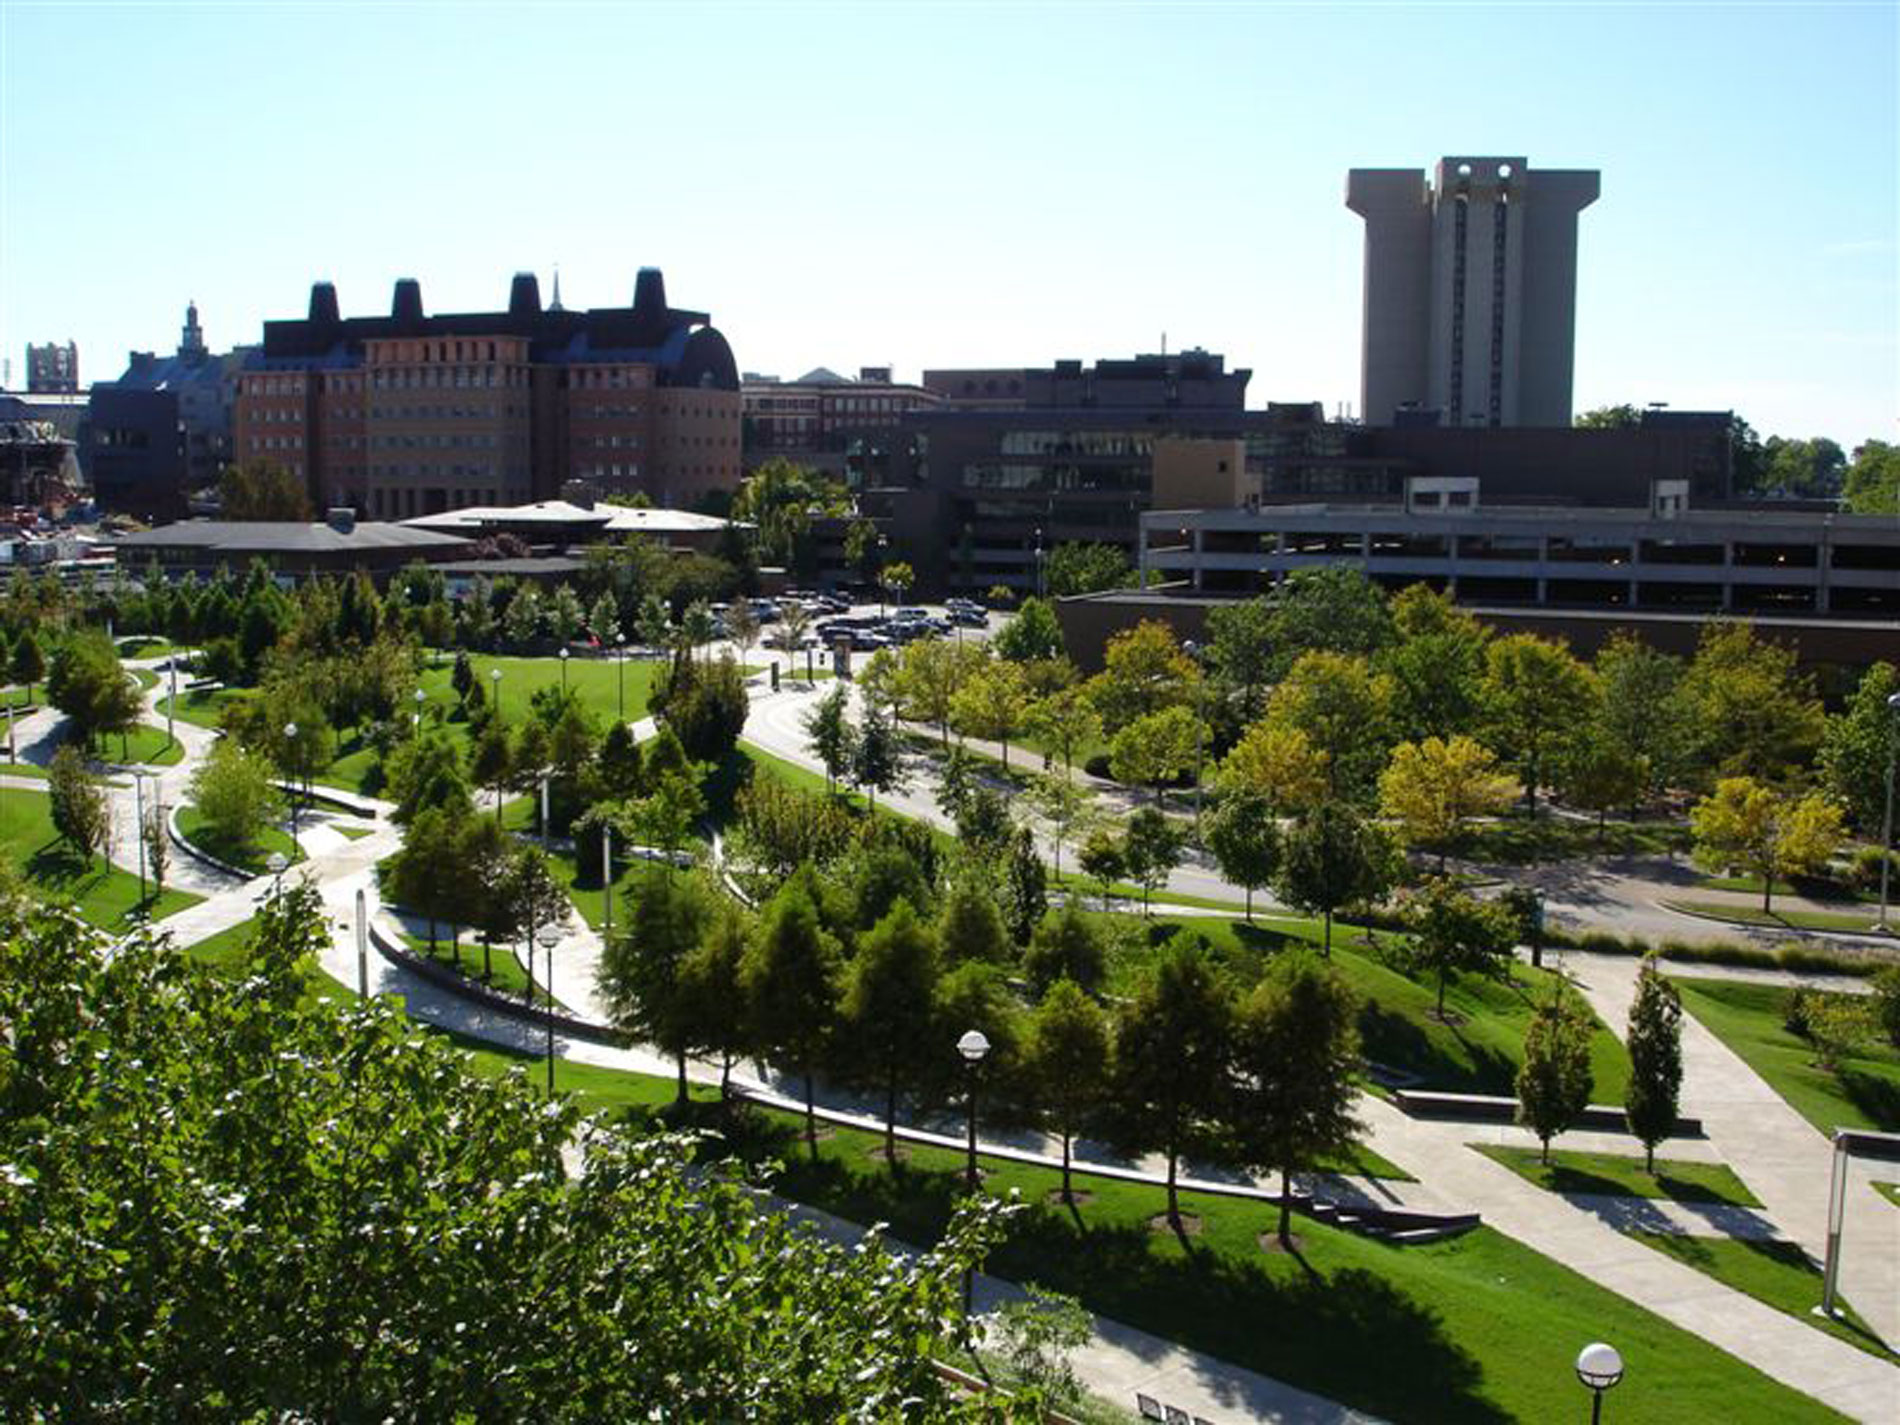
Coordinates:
x,y
268,537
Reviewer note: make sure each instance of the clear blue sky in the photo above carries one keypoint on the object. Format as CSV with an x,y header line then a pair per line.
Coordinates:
x,y
928,185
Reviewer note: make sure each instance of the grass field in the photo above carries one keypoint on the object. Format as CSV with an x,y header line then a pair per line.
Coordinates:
x,y
22,769
1480,1326
202,707
103,894
1614,1174
1518,839
144,744
1864,1093
501,971
1775,919
224,951
1777,1274
1890,1191
252,859
1475,1049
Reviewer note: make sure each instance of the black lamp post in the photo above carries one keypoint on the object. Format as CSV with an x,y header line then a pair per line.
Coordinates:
x,y
549,935
973,1046
620,671
564,668
1886,824
494,682
290,739
1599,1367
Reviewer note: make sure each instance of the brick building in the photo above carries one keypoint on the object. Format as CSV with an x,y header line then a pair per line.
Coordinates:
x,y
830,422
410,414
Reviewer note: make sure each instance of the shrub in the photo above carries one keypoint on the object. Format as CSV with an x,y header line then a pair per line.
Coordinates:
x,y
1863,870
1797,1012
1887,1002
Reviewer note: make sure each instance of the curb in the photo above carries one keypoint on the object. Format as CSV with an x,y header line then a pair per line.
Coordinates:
x,y
180,840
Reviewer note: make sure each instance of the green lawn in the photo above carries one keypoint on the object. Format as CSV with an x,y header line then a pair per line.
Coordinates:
x,y
104,895
1865,1093
1814,889
1476,1049
22,769
500,972
18,697
224,951
1777,1274
145,645
1481,1326
1617,1175
1784,919
145,744
251,859
353,833
203,707
1890,1191
1519,840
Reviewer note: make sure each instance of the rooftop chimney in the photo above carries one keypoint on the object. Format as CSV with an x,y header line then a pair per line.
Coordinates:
x,y
524,297
649,293
323,303
407,306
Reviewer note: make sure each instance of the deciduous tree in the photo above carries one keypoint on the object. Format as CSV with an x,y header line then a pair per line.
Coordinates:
x,y
1333,858
1539,697
993,704
1245,839
1151,848
1768,833
80,813
1655,1048
1144,670
1277,764
1555,1079
1296,1061
791,975
1456,932
1433,789
1069,1058
889,1000
642,976
1153,750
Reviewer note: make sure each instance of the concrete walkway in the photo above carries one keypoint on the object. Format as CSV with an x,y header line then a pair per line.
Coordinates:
x,y
1777,1152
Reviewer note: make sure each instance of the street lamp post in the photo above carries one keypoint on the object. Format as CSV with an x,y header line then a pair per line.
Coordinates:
x,y
607,880
415,718
883,544
138,810
1039,563
1886,823
547,828
275,864
973,1046
171,703
494,682
549,935
620,671
564,668
290,737
1599,1367
1194,652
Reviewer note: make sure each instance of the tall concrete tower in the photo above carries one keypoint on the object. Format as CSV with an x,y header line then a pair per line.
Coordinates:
x,y
1471,290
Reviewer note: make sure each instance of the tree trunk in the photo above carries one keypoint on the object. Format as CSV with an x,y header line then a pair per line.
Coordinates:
x,y
1067,1195
1441,992
1649,1159
488,965
1767,889
1174,1204
1328,950
680,1095
1250,905
1286,1207
890,1118
1546,1142
432,934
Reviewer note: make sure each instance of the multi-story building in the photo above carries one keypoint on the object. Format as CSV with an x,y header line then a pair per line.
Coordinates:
x,y
163,429
52,369
409,414
830,422
1470,290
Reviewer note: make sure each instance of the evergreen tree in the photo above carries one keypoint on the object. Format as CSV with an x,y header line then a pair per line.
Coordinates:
x,y
1066,945
1068,1064
1173,1040
1026,887
790,976
1296,1061
889,1000
80,812
1555,1080
641,968
619,763
969,927
1655,1048
491,763
463,678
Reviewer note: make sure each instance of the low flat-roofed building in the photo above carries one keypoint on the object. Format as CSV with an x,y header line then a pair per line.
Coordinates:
x,y
561,523
339,545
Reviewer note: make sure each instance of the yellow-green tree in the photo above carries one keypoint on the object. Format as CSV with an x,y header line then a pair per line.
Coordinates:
x,y
1344,708
1433,789
1768,833
1154,750
1753,712
1539,697
1143,671
993,705
1277,764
